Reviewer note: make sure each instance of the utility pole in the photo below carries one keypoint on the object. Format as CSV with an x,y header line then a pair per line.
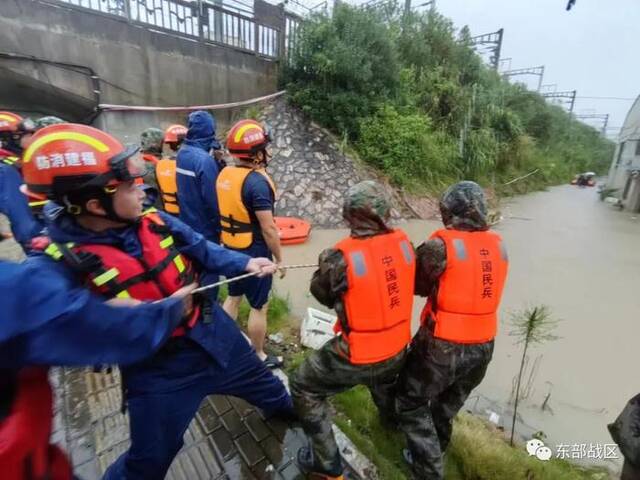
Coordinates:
x,y
569,95
538,71
492,43
596,116
540,79
407,7
498,50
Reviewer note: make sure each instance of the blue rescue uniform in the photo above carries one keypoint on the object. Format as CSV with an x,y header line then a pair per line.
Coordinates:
x,y
50,320
165,391
15,205
196,174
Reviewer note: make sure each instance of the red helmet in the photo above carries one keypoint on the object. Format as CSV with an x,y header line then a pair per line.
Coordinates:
x,y
14,123
68,157
246,138
175,133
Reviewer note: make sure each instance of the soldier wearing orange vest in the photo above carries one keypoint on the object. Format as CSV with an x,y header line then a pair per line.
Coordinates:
x,y
163,168
462,270
368,279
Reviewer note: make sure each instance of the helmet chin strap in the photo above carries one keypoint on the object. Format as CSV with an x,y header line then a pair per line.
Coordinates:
x,y
106,202
265,159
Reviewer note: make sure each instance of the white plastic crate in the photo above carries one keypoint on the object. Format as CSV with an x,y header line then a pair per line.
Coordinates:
x,y
317,328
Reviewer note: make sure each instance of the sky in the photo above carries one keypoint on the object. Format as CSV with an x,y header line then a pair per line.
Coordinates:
x,y
593,48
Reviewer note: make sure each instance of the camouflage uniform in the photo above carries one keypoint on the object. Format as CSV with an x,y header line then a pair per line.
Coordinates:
x,y
151,142
46,121
328,371
439,375
625,431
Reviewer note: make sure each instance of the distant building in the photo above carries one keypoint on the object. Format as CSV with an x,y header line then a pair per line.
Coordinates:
x,y
624,173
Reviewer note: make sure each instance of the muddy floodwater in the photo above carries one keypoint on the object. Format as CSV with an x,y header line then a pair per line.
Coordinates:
x,y
581,258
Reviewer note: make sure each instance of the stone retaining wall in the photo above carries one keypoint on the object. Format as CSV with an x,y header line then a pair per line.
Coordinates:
x,y
310,170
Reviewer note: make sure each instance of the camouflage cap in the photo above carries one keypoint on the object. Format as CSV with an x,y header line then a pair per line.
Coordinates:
x,y
151,140
366,208
463,206
46,121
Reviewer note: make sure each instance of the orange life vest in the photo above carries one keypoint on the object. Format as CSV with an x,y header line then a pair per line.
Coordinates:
x,y
166,178
108,270
470,289
379,300
25,452
235,221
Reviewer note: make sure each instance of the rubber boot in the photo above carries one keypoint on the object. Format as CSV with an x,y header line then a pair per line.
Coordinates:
x,y
307,464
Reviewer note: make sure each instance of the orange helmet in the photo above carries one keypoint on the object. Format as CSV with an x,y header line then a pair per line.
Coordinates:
x,y
68,157
246,138
14,123
175,133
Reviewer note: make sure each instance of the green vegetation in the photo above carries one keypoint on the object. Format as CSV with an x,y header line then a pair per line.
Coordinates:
x,y
414,100
478,450
531,326
481,452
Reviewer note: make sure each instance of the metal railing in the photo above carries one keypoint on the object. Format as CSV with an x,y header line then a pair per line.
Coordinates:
x,y
201,19
173,15
292,30
113,7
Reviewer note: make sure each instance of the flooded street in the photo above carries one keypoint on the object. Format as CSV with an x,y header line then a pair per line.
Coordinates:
x,y
578,256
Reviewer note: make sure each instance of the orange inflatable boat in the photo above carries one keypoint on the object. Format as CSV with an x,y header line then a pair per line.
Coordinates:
x,y
292,230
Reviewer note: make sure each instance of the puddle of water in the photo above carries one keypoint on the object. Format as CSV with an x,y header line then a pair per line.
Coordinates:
x,y
580,257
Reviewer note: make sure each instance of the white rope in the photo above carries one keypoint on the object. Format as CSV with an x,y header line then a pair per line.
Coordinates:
x,y
251,274
522,178
220,106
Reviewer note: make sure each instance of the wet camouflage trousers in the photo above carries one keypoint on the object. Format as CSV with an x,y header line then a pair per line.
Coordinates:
x,y
328,372
625,431
432,388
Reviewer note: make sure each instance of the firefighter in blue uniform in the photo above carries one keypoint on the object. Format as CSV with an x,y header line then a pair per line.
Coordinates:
x,y
198,164
14,134
103,239
48,321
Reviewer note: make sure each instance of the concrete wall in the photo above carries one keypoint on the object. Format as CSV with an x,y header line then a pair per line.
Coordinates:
x,y
136,66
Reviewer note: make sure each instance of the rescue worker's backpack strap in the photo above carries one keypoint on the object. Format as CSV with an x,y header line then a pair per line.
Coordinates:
x,y
88,265
235,227
186,274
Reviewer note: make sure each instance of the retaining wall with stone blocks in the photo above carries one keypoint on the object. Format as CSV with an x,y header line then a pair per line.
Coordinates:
x,y
311,172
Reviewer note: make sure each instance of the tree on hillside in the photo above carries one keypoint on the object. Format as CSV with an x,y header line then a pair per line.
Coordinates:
x,y
383,79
